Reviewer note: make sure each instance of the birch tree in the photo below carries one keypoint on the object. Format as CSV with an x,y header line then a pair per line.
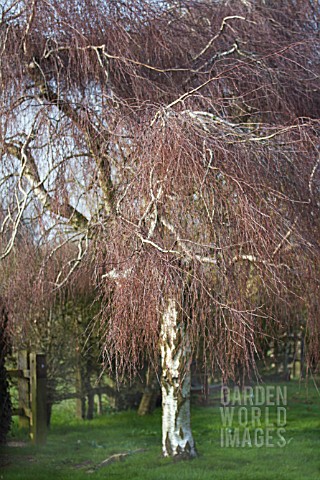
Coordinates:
x,y
176,143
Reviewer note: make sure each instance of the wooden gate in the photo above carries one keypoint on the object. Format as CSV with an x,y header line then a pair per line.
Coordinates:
x,y
32,389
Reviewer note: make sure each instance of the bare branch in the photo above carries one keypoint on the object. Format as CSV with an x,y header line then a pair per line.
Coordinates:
x,y
30,172
224,23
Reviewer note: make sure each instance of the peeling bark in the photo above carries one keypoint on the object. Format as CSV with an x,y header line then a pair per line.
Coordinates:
x,y
177,439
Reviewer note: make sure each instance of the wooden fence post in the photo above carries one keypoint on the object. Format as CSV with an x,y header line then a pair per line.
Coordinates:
x,y
24,389
38,380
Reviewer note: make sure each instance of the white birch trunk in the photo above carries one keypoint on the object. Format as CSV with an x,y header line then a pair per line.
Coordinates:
x,y
175,385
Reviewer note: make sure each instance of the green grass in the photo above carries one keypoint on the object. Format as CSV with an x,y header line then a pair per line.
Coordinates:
x,y
75,449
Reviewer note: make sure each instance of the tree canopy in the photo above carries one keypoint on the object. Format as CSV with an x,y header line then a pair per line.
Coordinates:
x,y
176,144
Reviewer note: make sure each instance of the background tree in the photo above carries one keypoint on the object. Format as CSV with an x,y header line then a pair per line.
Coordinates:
x,y
176,142
61,323
5,401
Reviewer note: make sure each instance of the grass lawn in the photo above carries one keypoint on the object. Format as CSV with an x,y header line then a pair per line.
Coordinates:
x,y
76,449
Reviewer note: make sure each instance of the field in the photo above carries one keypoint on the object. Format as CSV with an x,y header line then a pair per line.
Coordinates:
x,y
125,446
